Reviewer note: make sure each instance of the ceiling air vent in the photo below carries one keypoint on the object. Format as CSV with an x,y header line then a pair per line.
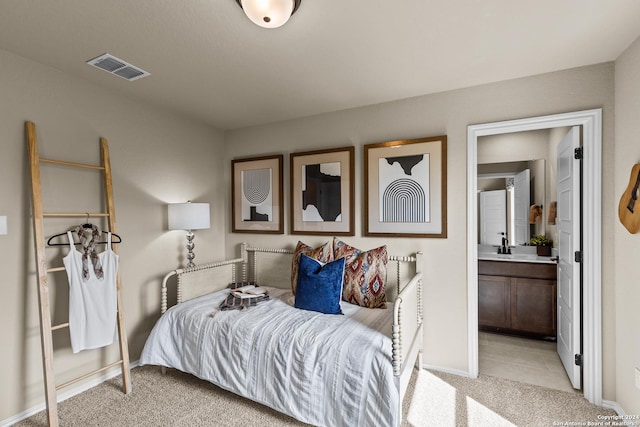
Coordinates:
x,y
118,67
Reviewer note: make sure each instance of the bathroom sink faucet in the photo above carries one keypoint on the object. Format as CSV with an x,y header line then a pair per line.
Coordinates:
x,y
504,249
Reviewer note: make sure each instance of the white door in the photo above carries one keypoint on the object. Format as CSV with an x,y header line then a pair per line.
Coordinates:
x,y
521,205
493,217
568,221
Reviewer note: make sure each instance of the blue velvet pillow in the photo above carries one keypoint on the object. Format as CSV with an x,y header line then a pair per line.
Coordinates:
x,y
319,286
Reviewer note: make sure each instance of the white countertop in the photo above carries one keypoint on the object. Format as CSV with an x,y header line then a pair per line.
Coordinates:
x,y
532,258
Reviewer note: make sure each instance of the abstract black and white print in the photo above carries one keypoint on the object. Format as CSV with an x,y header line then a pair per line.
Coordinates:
x,y
321,192
257,195
404,189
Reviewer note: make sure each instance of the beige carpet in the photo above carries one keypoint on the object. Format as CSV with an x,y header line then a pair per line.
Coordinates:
x,y
433,399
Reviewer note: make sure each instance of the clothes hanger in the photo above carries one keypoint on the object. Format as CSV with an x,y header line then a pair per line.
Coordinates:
x,y
87,224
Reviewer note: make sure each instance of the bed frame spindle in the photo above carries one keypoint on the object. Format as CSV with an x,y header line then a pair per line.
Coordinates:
x,y
396,340
180,271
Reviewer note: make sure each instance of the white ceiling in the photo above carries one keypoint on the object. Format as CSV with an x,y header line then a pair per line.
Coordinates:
x,y
209,62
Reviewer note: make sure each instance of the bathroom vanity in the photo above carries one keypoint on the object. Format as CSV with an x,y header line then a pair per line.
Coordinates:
x,y
517,294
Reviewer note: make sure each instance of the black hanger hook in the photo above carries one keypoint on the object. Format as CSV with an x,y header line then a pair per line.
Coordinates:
x,y
86,222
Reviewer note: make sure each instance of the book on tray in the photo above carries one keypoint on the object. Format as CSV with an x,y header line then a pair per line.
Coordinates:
x,y
248,291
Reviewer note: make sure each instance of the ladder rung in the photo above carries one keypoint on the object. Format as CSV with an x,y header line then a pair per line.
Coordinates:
x,y
78,214
78,165
54,269
75,380
60,326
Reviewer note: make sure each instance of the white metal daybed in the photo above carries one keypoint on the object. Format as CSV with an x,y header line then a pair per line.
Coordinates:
x,y
321,369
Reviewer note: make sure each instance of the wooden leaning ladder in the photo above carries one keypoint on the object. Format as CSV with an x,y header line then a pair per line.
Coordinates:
x,y
46,328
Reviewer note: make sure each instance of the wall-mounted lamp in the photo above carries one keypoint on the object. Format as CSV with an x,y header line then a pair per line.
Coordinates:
x,y
189,216
269,13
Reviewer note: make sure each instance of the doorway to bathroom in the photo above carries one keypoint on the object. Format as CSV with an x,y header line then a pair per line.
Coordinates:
x,y
589,123
517,292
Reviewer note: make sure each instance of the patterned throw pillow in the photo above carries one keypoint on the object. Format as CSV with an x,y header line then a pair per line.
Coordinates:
x,y
365,274
322,253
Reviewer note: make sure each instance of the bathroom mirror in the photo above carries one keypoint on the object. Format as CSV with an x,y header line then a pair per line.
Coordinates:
x,y
501,157
508,193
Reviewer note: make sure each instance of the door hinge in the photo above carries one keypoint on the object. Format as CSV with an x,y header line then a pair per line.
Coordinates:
x,y
578,256
577,153
578,359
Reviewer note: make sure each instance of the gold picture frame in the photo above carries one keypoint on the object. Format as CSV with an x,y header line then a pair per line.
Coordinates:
x,y
322,192
257,195
406,188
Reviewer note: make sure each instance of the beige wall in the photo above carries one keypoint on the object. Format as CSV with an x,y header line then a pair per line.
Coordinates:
x,y
513,147
445,113
156,158
627,153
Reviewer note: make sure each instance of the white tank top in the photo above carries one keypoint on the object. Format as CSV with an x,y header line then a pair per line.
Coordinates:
x,y
93,302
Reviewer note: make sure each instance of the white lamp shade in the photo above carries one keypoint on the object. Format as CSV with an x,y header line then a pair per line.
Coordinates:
x,y
189,216
268,13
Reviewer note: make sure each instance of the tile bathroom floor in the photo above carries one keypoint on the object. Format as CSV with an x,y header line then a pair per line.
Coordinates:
x,y
522,359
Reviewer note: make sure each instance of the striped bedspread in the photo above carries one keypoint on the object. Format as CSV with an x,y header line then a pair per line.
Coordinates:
x,y
326,370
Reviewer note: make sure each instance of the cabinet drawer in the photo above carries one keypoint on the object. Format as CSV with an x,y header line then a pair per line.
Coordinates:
x,y
518,269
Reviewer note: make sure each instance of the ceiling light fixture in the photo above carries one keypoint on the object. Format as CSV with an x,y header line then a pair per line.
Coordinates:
x,y
269,13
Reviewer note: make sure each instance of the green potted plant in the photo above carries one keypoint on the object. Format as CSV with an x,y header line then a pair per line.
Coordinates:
x,y
543,245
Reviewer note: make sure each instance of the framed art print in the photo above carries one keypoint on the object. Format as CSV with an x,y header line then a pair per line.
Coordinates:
x,y
256,186
322,189
406,188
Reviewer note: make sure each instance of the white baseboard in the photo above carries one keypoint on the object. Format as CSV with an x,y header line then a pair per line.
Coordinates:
x,y
621,413
98,379
446,370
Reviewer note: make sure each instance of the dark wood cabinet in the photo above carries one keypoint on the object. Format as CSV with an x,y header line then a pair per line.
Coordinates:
x,y
494,308
517,298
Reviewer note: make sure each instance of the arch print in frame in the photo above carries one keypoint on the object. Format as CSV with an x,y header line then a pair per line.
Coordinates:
x,y
406,188
256,188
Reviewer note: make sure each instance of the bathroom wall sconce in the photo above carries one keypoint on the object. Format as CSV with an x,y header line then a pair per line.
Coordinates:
x,y
269,13
189,216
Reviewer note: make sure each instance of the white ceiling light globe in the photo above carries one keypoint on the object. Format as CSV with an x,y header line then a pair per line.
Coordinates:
x,y
268,13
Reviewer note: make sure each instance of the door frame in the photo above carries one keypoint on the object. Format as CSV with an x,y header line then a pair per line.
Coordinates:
x,y
591,122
